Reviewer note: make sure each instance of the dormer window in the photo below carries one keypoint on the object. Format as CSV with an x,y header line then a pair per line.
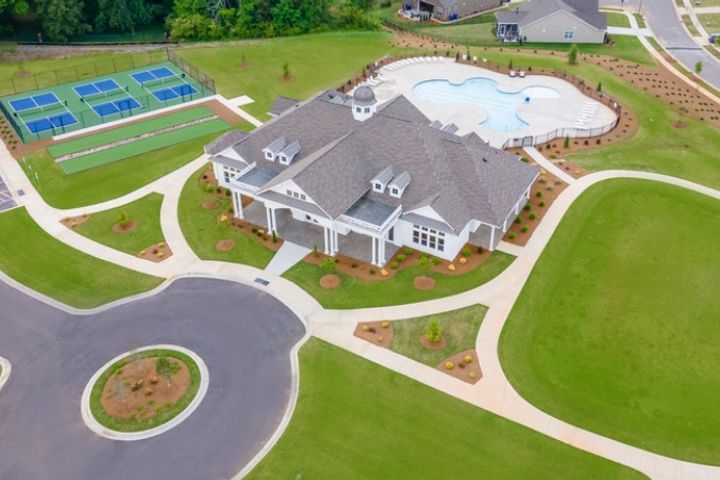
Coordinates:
x,y
380,181
378,187
288,153
399,184
268,154
395,192
272,150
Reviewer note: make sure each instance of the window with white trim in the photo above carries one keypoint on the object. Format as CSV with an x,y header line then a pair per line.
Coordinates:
x,y
294,194
428,237
569,34
378,187
395,192
268,155
358,109
229,173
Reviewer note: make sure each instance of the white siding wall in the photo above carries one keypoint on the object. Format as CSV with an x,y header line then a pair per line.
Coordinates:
x,y
453,243
553,28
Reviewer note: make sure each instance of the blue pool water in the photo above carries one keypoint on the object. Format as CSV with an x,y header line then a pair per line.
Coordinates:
x,y
500,106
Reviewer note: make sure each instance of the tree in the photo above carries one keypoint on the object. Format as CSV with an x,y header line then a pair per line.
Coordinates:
x,y
14,7
433,331
286,70
698,67
123,220
364,5
599,87
573,54
122,15
61,19
166,369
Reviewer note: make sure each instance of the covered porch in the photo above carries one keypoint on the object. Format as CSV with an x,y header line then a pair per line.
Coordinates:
x,y
508,32
486,237
366,248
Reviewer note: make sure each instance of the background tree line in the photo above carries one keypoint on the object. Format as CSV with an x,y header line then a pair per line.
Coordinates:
x,y
192,19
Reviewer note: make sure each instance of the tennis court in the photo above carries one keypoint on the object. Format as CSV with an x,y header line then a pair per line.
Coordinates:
x,y
93,101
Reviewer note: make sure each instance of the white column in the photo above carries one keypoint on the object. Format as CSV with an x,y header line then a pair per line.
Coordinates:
x,y
336,242
327,238
269,218
492,239
381,252
273,218
374,250
237,204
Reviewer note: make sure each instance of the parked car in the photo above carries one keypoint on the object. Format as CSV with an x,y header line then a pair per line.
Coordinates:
x,y
714,37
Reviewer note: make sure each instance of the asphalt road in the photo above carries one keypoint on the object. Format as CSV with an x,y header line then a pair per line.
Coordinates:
x,y
670,33
243,335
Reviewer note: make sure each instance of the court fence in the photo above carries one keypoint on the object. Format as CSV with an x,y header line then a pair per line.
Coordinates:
x,y
203,83
88,117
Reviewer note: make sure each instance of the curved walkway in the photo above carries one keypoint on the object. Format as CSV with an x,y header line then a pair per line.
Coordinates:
x,y
493,392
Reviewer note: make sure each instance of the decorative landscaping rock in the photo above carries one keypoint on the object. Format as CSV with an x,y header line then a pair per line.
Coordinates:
x,y
423,283
72,222
465,366
329,281
377,333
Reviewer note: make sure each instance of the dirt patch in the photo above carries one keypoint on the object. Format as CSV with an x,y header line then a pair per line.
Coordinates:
x,y
157,252
469,372
377,333
137,391
423,283
530,217
439,345
287,79
679,124
329,281
22,74
210,205
352,267
127,228
72,222
225,245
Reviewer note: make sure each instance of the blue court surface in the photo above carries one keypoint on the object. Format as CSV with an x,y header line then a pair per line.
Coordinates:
x,y
166,94
103,87
116,106
39,101
51,122
156,74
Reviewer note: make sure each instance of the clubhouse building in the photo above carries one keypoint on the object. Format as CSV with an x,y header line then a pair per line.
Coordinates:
x,y
346,175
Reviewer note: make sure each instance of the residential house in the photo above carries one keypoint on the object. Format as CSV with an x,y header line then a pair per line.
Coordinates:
x,y
346,175
448,10
553,21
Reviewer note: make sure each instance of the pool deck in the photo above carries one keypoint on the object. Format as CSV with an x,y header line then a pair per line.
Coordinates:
x,y
572,110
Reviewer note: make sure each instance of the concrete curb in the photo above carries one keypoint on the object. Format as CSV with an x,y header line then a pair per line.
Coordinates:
x,y
6,371
110,434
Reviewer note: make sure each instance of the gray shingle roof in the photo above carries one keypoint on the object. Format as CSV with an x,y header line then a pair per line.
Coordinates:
x,y
224,141
385,175
534,10
401,181
282,104
462,178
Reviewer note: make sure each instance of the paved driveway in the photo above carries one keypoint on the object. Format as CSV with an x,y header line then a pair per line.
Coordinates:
x,y
243,335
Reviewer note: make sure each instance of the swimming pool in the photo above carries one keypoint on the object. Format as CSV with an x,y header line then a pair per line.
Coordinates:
x,y
501,107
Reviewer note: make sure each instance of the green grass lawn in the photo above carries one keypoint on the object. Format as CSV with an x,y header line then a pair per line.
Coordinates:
x,y
711,22
165,413
357,420
689,153
202,230
640,20
356,293
618,20
316,62
459,327
109,181
37,260
145,211
616,329
143,146
128,131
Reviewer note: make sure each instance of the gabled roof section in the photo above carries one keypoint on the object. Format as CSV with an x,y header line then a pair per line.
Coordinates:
x,y
385,175
224,141
587,11
401,181
282,104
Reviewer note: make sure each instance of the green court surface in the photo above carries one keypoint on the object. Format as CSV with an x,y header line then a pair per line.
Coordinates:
x,y
145,145
107,97
128,131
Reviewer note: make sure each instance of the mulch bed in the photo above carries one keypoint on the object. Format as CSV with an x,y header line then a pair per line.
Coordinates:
x,y
122,230
136,391
329,281
225,245
467,372
423,283
377,333
157,252
72,222
439,345
210,205
551,187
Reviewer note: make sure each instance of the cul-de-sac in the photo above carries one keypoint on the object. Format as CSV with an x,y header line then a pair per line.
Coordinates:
x,y
359,239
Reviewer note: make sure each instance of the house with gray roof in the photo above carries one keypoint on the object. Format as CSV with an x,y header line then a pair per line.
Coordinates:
x,y
553,21
347,175
448,10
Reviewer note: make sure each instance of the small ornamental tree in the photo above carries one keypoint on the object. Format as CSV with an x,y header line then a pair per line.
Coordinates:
x,y
123,221
286,70
573,54
328,264
433,331
566,142
166,369
599,87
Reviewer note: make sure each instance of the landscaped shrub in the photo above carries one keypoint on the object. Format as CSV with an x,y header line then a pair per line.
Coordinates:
x,y
274,237
467,359
328,264
371,271
466,252
385,324
532,216
541,203
227,192
218,189
408,251
566,142
436,261
526,207
401,258
123,221
518,219
394,265
433,331
511,235
449,365
480,250
353,265
254,230
424,260
524,229
538,193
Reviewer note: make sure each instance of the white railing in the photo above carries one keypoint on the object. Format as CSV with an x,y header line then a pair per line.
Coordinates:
x,y
573,132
